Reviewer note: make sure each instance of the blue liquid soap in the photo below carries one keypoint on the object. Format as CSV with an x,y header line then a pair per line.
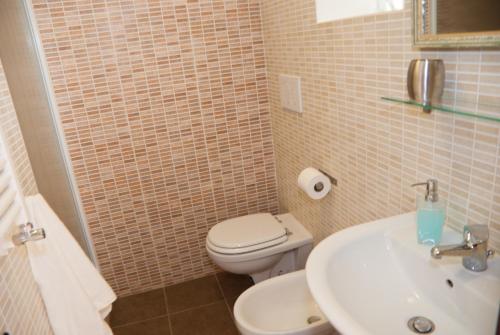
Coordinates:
x,y
430,221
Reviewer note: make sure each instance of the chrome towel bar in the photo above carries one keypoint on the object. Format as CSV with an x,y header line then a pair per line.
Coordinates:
x,y
28,233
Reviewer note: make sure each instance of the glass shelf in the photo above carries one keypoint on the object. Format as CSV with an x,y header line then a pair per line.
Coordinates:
x,y
461,108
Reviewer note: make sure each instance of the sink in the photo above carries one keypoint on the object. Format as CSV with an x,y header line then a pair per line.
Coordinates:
x,y
373,278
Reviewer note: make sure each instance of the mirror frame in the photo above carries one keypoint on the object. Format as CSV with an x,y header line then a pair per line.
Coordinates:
x,y
470,40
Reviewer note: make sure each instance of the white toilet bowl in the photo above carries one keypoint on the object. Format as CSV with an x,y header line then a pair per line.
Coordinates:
x,y
260,245
280,306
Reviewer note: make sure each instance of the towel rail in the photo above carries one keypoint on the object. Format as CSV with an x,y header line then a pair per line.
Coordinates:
x,y
28,233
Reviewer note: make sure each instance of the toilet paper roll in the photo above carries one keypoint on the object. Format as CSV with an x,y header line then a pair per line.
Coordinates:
x,y
314,183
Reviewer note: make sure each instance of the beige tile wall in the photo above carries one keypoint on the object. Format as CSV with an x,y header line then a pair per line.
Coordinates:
x,y
165,112
377,149
21,307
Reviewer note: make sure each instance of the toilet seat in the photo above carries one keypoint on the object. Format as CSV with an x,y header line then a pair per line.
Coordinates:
x,y
251,254
244,250
246,234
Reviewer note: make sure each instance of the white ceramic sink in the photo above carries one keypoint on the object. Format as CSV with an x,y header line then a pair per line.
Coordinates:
x,y
372,278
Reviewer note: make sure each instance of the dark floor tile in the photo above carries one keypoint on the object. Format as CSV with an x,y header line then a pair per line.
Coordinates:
x,y
212,319
193,293
231,301
233,284
158,326
138,307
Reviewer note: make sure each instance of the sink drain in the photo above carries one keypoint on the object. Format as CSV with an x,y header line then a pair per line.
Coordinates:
x,y
313,319
421,325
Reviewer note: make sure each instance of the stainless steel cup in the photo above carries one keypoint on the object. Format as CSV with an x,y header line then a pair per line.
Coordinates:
x,y
426,80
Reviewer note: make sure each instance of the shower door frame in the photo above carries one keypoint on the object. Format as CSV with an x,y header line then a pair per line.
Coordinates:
x,y
56,121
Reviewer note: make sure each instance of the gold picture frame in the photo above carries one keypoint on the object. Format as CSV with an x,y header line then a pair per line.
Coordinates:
x,y
490,39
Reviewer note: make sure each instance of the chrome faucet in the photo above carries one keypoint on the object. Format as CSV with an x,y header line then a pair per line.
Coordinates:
x,y
474,248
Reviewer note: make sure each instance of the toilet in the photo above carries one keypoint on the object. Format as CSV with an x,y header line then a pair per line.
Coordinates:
x,y
260,245
280,306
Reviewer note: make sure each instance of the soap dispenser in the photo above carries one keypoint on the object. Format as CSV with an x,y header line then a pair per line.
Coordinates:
x,y
430,214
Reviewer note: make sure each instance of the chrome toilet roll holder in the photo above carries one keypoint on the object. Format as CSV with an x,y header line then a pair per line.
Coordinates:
x,y
332,180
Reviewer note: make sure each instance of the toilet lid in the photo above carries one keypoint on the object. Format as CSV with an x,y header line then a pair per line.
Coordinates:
x,y
247,233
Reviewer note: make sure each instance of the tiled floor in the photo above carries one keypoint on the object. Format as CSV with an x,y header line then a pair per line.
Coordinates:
x,y
198,307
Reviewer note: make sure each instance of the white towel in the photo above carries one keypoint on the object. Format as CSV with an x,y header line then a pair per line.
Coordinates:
x,y
76,296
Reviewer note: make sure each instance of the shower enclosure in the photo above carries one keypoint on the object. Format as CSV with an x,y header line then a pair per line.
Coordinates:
x,y
27,76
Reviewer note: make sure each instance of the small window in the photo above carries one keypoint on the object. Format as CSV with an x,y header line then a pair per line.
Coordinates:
x,y
330,10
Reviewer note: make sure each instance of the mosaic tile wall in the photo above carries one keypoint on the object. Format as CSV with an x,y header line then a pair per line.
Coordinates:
x,y
21,306
377,149
165,111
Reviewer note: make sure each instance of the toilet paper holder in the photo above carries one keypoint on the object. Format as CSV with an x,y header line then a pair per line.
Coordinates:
x,y
315,182
332,180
